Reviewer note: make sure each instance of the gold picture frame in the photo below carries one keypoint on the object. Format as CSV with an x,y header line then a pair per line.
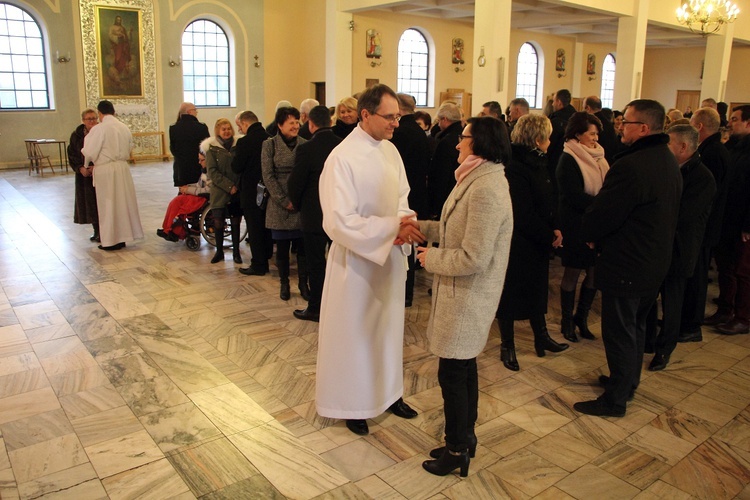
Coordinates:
x,y
118,51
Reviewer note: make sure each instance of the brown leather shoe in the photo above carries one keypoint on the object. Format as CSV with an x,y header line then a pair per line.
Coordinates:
x,y
734,327
718,318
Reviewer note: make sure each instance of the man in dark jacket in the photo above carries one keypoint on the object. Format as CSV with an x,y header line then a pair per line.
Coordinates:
x,y
414,148
563,110
607,137
733,253
698,191
632,221
716,157
441,175
185,137
303,193
246,162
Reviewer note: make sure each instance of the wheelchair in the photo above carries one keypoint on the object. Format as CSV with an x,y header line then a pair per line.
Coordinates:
x,y
201,224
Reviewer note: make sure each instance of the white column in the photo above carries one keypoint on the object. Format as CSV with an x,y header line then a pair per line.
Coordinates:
x,y
716,64
579,62
338,53
631,47
491,31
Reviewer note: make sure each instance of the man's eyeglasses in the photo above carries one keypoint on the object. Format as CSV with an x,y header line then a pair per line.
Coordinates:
x,y
626,122
390,118
462,137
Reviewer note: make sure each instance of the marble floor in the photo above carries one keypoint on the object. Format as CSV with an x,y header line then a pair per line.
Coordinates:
x,y
151,373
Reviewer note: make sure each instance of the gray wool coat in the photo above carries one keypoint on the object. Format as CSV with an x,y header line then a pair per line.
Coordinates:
x,y
277,161
474,233
219,169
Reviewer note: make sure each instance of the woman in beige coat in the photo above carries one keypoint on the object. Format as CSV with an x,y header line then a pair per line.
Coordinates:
x,y
469,266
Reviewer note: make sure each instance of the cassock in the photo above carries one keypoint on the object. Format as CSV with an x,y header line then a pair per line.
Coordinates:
x,y
108,145
363,194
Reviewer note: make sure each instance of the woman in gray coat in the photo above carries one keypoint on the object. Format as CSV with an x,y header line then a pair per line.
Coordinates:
x,y
474,233
282,217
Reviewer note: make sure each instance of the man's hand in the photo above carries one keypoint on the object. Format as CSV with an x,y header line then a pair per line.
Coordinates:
x,y
745,237
557,243
408,232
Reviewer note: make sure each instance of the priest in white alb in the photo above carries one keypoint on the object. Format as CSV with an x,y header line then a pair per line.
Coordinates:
x,y
108,146
363,194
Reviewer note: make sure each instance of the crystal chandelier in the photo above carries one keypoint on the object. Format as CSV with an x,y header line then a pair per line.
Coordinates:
x,y
706,16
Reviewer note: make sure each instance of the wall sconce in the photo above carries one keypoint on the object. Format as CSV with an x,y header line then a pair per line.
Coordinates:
x,y
375,63
561,75
459,67
351,25
257,61
62,59
592,77
481,60
172,63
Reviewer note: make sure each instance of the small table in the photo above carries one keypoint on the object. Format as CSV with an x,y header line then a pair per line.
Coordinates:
x,y
61,149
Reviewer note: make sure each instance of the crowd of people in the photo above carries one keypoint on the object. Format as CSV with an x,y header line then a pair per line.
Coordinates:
x,y
637,202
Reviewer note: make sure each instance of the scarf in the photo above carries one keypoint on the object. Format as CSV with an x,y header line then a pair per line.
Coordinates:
x,y
227,144
467,166
592,163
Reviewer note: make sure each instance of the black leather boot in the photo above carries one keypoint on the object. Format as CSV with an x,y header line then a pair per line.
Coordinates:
x,y
438,452
542,341
218,215
236,255
449,462
285,292
581,318
508,346
567,328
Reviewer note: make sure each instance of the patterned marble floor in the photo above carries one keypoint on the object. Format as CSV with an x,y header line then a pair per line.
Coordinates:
x,y
151,373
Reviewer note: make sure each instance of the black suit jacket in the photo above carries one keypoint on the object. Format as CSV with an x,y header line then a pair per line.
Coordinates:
x,y
246,163
414,148
185,138
559,121
633,219
716,157
608,138
304,130
302,184
441,177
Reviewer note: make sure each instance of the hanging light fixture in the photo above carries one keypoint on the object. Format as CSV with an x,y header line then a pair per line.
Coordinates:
x,y
707,16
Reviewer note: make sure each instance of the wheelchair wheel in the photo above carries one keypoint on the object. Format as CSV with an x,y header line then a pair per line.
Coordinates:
x,y
208,232
193,242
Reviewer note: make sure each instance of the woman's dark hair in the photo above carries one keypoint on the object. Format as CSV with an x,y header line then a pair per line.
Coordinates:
x,y
424,116
579,123
490,138
282,114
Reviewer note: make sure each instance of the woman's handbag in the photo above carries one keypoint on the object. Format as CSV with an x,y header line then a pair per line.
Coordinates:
x,y
261,196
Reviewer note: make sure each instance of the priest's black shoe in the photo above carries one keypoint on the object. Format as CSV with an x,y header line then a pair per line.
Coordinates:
x,y
598,408
95,237
690,337
659,362
306,315
112,248
358,427
604,380
447,463
438,452
251,271
401,409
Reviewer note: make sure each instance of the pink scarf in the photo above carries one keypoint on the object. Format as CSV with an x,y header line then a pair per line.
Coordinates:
x,y
592,163
469,164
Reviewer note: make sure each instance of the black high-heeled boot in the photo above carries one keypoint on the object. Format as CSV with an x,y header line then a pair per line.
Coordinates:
x,y
236,255
542,341
448,462
508,346
304,280
567,328
218,215
438,452
585,299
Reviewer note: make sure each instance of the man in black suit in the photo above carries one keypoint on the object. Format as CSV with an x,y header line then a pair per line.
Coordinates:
x,y
246,162
414,148
607,137
304,116
632,221
563,110
698,191
441,175
185,137
716,157
303,193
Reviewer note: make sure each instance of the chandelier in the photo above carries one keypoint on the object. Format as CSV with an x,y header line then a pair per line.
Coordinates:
x,y
706,16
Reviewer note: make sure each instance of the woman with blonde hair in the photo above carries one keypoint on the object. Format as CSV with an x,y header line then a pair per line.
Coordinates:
x,y
535,233
346,117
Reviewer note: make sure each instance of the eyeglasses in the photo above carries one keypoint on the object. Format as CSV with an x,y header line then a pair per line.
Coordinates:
x,y
390,118
626,122
462,137
92,119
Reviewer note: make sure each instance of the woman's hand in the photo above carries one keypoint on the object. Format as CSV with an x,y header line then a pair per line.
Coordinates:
x,y
557,242
183,189
84,171
233,190
289,206
422,254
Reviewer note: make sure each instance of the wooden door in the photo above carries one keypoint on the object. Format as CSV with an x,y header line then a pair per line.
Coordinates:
x,y
687,98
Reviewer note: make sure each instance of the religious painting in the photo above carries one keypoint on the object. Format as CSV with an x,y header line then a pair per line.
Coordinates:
x,y
591,64
119,56
458,51
374,49
560,60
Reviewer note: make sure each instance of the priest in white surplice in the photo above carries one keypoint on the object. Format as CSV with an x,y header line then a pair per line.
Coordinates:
x,y
363,194
108,145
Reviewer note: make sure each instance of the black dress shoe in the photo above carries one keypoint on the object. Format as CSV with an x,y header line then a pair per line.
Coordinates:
x,y
690,337
358,427
734,327
718,318
401,409
306,315
447,463
598,408
112,248
250,271
604,380
659,362
95,237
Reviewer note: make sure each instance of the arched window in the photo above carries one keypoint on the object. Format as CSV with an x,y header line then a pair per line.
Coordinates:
x,y
413,65
528,74
205,64
23,68
608,81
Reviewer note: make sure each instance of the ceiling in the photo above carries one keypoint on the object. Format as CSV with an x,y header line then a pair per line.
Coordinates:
x,y
543,17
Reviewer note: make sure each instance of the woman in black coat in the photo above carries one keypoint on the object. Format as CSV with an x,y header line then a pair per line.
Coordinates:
x,y
580,175
85,210
346,117
534,234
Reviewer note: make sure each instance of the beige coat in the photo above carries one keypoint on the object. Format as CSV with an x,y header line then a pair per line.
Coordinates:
x,y
469,266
